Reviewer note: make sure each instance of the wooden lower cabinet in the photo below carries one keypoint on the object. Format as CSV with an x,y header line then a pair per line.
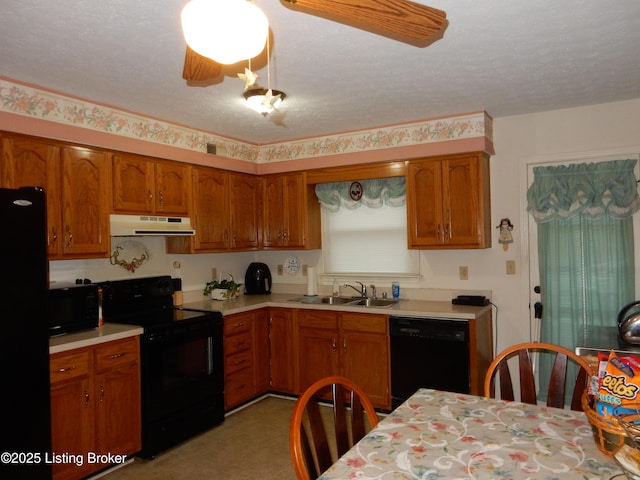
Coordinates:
x,y
355,345
95,405
282,333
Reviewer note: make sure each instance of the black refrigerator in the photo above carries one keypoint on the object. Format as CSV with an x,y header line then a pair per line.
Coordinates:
x,y
25,432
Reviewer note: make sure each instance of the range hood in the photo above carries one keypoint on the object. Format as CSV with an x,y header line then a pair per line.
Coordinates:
x,y
150,225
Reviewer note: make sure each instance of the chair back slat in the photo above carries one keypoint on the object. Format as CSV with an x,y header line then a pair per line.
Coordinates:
x,y
557,382
312,451
319,440
528,392
506,386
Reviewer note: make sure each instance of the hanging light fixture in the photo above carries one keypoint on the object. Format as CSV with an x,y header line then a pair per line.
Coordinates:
x,y
226,31
264,100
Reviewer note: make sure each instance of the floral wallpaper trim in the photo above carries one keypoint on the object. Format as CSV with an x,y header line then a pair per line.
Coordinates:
x,y
24,100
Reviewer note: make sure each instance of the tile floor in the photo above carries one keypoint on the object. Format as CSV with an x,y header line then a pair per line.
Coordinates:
x,y
251,443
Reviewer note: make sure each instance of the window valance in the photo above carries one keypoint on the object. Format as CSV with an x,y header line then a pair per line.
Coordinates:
x,y
592,189
373,193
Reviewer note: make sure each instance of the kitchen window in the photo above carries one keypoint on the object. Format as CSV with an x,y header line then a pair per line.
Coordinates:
x,y
364,228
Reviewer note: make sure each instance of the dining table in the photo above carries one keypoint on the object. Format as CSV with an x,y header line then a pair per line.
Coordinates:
x,y
446,435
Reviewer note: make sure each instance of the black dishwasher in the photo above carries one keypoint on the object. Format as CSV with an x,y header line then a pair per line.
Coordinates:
x,y
430,353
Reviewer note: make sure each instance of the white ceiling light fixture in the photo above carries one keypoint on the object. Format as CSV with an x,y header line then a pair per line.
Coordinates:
x,y
262,100
226,31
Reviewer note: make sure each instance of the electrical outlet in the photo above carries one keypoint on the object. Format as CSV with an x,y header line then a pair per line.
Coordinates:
x,y
511,267
464,273
280,270
214,273
304,270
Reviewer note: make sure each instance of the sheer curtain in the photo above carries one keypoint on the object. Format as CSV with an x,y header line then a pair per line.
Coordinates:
x,y
585,246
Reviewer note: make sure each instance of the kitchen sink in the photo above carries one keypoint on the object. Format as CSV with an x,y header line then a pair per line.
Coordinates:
x,y
376,302
350,301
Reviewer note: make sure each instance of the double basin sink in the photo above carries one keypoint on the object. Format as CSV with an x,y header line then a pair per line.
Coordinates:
x,y
349,301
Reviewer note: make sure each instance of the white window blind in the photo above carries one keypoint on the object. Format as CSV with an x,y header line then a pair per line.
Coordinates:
x,y
368,240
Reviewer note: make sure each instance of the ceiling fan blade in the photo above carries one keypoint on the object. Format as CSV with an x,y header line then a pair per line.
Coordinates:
x,y
198,68
402,19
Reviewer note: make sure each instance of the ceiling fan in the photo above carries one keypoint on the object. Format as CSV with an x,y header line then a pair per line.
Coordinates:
x,y
401,20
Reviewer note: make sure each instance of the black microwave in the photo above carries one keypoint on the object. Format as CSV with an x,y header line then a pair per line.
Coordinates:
x,y
72,308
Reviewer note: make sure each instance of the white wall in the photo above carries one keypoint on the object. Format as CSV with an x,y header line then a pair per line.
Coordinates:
x,y
564,134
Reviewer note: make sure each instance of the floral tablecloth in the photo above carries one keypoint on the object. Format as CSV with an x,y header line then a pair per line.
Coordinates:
x,y
436,435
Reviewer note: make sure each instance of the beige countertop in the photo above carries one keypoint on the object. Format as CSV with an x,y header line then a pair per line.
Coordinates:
x,y
406,308
85,338
245,303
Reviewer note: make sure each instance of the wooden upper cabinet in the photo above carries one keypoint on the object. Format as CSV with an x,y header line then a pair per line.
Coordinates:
x,y
85,202
448,202
76,181
225,213
27,162
145,185
291,213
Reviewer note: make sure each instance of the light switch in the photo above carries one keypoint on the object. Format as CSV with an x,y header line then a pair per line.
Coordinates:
x,y
511,267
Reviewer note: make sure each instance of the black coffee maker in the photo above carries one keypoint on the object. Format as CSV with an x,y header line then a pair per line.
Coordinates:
x,y
257,280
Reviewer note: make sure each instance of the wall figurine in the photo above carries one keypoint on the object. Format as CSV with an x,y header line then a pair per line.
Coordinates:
x,y
505,238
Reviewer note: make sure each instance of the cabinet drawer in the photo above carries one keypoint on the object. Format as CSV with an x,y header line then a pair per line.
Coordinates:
x,y
232,325
116,353
317,319
68,366
238,387
240,360
365,322
237,343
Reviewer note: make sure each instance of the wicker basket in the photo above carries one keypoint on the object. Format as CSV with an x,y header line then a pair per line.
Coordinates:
x,y
607,433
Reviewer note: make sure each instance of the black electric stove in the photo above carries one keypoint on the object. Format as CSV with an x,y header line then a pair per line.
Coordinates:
x,y
181,360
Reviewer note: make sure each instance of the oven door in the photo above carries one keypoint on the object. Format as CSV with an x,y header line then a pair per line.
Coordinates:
x,y
182,367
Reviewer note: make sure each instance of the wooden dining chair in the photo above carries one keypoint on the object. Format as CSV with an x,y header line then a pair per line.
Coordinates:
x,y
316,441
498,371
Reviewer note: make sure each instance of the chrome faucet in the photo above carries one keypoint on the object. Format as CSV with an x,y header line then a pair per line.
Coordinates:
x,y
362,291
373,291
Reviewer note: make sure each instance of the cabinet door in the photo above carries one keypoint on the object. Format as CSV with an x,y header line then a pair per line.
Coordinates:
x,y
318,346
294,221
118,416
244,195
273,227
282,346
462,209
29,163
261,349
173,188
364,344
425,224
211,209
72,426
133,184
86,180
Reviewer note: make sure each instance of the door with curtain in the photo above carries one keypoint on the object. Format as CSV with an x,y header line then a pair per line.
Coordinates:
x,y
583,215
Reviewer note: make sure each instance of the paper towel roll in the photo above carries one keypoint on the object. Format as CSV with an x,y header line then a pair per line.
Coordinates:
x,y
312,281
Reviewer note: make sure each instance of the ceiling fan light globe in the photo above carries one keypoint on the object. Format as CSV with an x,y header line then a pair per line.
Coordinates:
x,y
226,31
255,99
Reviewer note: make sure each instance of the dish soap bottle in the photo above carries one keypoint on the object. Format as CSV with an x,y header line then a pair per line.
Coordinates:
x,y
336,289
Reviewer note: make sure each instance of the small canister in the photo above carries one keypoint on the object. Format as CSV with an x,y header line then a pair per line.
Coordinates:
x,y
395,290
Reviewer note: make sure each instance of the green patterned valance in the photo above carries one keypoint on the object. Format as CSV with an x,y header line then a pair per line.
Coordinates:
x,y
592,189
372,193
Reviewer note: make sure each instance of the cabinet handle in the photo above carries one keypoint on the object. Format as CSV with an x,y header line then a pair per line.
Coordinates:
x,y
115,355
333,344
446,231
238,362
239,324
161,197
150,196
54,236
86,397
239,344
284,234
101,393
344,344
66,369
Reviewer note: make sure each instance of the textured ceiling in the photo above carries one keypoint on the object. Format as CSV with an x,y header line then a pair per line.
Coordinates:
x,y
503,56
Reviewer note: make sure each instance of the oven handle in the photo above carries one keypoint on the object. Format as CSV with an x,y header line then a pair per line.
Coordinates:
x,y
209,355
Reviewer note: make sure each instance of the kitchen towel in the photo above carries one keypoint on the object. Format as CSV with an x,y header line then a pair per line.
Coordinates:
x,y
312,281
